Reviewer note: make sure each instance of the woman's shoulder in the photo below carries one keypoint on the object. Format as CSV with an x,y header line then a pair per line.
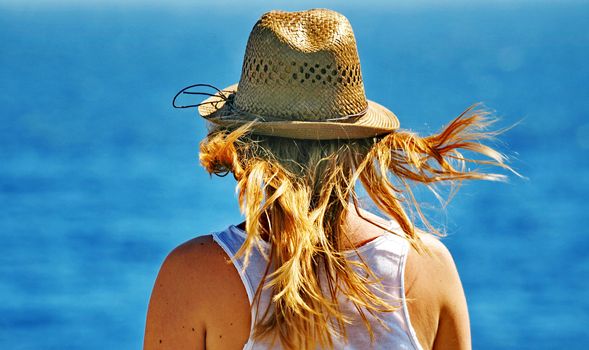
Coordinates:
x,y
434,252
435,296
195,287
192,251
197,262
176,302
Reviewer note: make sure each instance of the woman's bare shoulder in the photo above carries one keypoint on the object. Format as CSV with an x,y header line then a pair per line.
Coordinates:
x,y
185,301
176,307
192,263
436,254
199,268
190,254
436,300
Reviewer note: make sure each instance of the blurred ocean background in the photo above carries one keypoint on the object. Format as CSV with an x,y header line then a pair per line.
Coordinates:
x,y
99,176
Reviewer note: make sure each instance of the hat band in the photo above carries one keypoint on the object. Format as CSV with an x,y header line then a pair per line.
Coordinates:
x,y
233,113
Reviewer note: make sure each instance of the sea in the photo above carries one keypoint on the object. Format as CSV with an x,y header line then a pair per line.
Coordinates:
x,y
100,177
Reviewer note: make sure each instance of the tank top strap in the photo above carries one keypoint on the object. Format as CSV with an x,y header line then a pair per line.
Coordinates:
x,y
231,239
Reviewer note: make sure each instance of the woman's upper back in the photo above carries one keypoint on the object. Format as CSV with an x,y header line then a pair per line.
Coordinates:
x,y
200,300
385,255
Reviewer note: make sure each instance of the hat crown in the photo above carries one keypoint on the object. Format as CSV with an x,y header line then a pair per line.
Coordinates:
x,y
301,66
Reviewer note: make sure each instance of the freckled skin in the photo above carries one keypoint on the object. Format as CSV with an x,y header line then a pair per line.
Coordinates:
x,y
199,289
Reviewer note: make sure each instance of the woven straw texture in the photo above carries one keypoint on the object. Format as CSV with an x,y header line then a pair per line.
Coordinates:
x,y
301,78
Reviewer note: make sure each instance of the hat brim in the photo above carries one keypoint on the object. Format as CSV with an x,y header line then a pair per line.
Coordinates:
x,y
376,121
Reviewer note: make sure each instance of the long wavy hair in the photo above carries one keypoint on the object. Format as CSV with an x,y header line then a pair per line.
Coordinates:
x,y
296,194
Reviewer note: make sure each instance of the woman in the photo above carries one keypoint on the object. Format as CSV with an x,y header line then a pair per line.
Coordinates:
x,y
309,268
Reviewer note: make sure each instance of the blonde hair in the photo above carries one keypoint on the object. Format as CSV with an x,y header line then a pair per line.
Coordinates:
x,y
296,194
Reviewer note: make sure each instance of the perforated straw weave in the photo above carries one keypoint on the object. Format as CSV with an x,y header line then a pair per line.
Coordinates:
x,y
301,78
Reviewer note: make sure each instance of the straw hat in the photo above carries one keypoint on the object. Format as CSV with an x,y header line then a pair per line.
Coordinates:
x,y
301,79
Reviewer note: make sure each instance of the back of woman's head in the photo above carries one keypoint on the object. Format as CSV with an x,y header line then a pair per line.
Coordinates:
x,y
296,194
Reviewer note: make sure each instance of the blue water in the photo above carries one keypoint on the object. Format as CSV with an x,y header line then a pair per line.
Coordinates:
x,y
99,177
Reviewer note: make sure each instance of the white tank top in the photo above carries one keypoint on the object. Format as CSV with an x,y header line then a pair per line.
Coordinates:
x,y
386,256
